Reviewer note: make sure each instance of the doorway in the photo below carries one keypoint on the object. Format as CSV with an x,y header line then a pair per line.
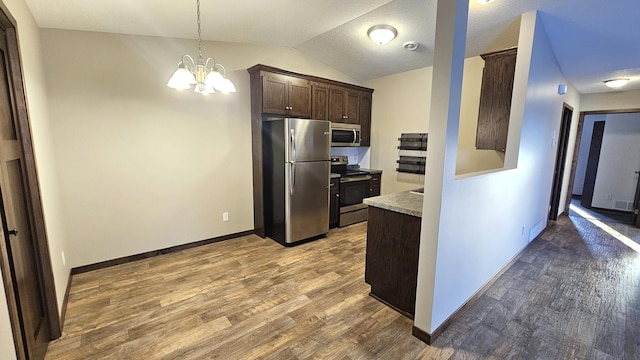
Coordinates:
x,y
24,253
561,157
586,184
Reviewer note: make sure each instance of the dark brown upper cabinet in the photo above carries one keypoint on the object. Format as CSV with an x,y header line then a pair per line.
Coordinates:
x,y
286,95
365,118
495,99
319,101
344,105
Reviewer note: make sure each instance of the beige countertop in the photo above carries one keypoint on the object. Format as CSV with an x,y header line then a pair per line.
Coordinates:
x,y
406,202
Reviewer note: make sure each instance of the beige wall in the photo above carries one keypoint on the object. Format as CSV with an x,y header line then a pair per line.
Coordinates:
x,y
142,166
615,100
401,104
469,159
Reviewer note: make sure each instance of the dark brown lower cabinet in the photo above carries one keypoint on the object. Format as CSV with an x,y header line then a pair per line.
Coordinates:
x,y
334,202
374,184
391,268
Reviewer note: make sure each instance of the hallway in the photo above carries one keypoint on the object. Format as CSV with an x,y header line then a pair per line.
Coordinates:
x,y
573,294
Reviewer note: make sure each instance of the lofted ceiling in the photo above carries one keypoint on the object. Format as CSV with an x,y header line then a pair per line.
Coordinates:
x,y
594,40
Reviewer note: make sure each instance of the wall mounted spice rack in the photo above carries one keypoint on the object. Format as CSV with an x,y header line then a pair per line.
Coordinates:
x,y
413,142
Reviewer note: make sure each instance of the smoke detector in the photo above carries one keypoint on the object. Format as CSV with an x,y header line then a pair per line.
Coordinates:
x,y
410,45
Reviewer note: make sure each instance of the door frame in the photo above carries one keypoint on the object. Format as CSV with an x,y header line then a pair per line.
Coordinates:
x,y
34,203
576,149
564,135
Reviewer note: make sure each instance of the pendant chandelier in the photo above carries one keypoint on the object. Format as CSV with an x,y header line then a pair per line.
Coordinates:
x,y
207,75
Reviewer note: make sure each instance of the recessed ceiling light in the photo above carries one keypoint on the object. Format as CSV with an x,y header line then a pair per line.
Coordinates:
x,y
410,45
616,83
382,34
484,2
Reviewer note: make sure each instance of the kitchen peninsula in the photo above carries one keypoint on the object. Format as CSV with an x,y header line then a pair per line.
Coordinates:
x,y
393,241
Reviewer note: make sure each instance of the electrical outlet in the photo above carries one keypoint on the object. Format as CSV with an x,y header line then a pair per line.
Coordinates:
x,y
64,260
225,216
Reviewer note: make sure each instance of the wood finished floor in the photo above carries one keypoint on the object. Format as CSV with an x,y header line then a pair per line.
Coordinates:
x,y
573,294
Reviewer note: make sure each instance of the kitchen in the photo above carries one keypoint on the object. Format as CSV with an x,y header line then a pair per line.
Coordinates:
x,y
143,146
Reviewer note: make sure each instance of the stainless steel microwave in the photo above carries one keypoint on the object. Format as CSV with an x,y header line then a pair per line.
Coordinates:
x,y
345,134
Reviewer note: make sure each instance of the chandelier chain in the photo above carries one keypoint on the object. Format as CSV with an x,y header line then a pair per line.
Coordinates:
x,y
206,76
199,31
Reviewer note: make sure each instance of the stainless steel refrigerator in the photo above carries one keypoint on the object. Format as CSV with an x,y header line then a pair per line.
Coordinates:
x,y
296,167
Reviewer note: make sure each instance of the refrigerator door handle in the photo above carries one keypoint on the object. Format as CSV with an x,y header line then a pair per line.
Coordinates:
x,y
292,173
293,145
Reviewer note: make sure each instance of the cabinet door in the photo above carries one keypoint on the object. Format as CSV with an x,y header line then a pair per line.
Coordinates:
x,y
374,184
495,100
365,118
319,102
299,98
351,107
336,104
275,95
334,202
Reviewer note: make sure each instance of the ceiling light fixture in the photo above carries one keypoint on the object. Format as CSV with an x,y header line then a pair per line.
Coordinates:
x,y
202,73
484,2
382,34
616,83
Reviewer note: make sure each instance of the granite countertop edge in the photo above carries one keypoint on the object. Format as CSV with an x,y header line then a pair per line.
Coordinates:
x,y
404,202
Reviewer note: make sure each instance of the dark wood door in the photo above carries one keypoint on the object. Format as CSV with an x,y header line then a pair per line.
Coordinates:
x,y
334,202
17,225
592,164
365,118
319,102
561,157
636,201
336,104
374,184
275,94
299,98
352,109
495,100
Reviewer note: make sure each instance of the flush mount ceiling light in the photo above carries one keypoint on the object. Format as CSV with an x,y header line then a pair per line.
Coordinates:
x,y
616,83
204,74
382,34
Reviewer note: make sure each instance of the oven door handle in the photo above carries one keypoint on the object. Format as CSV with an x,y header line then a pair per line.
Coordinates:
x,y
355,178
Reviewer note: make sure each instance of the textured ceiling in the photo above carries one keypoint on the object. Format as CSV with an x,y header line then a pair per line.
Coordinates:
x,y
593,39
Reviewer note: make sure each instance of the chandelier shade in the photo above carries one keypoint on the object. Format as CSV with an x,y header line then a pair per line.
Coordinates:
x,y
207,76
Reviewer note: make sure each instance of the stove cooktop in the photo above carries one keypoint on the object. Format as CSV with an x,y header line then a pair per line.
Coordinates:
x,y
355,172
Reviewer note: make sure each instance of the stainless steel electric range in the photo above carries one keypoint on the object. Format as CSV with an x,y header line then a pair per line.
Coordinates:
x,y
354,187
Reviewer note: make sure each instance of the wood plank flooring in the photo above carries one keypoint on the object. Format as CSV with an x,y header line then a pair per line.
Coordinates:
x,y
573,294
